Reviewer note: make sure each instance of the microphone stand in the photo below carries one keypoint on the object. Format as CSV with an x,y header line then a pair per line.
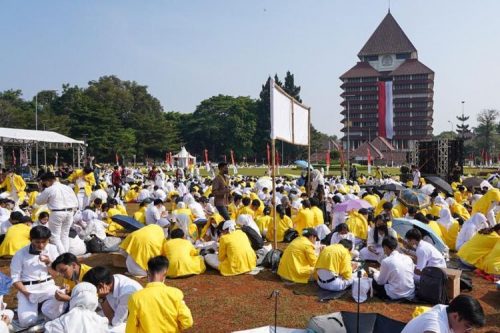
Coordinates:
x,y
359,290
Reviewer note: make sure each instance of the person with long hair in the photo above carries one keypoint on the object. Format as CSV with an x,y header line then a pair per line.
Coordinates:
x,y
374,251
283,223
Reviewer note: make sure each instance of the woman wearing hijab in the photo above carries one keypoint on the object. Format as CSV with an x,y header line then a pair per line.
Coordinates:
x,y
449,227
481,249
470,228
283,221
374,250
81,317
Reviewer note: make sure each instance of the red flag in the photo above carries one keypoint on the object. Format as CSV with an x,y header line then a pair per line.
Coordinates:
x,y
368,156
206,155
277,158
170,158
225,159
117,158
166,157
268,155
14,160
232,157
327,159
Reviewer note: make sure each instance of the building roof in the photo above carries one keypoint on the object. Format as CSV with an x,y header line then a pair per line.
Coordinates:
x,y
411,66
24,136
388,38
362,151
361,69
382,144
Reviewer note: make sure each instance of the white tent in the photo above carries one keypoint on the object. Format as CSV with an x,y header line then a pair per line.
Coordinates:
x,y
184,159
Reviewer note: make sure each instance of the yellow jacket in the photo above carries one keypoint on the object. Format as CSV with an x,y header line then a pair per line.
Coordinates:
x,y
358,225
140,215
114,228
131,195
158,308
83,270
318,216
479,246
304,219
32,198
246,210
263,222
283,224
491,263
17,237
461,197
460,210
19,185
337,259
449,235
183,258
144,244
88,178
399,210
233,211
236,255
298,260
436,228
372,200
122,209
483,204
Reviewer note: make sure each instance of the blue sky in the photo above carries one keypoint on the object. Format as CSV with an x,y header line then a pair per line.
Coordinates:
x,y
189,50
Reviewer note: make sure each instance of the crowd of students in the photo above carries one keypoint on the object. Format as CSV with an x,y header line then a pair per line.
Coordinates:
x,y
222,222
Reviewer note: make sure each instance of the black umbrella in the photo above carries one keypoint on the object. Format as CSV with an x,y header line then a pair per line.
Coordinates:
x,y
391,187
371,323
440,183
472,182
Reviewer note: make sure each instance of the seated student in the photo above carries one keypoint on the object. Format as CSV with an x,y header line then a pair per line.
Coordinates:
x,y
43,219
14,218
236,255
283,221
449,227
374,251
264,221
81,317
32,277
299,258
113,291
317,212
395,279
140,246
305,217
246,209
157,307
427,254
473,252
342,232
462,315
235,206
67,266
257,207
432,224
247,220
140,214
358,224
333,268
210,231
477,222
17,237
110,210
183,257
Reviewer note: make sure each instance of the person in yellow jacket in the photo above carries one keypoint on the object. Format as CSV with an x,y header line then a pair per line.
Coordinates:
x,y
461,195
67,266
317,212
449,228
246,209
15,185
491,263
209,231
474,251
157,307
183,258
17,237
84,181
257,207
132,194
486,202
299,258
235,206
236,255
305,217
458,209
140,246
113,229
371,198
283,223
432,224
358,224
333,269
263,221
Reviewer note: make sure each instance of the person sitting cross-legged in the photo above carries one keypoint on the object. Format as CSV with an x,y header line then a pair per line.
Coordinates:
x,y
67,266
183,257
333,268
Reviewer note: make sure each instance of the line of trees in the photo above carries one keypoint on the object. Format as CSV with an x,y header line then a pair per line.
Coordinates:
x,y
121,117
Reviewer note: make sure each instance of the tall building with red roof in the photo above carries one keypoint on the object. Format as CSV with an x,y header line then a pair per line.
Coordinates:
x,y
389,92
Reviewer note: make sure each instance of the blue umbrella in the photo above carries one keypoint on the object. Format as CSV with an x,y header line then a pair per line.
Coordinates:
x,y
302,164
402,226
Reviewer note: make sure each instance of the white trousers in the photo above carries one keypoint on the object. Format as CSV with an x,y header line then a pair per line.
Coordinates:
x,y
212,260
366,254
133,268
83,200
59,225
336,285
27,311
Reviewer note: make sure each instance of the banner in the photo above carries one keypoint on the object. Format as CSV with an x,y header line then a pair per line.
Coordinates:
x,y
369,160
117,158
206,156
232,157
385,110
268,155
289,118
14,160
327,159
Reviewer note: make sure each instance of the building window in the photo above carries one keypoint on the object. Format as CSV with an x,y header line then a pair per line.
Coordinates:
x,y
419,76
403,56
402,105
369,97
420,86
354,79
371,58
402,77
369,79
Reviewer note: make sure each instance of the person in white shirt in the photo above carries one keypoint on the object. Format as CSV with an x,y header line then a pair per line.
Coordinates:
x,y
342,232
427,254
99,193
113,292
144,194
159,193
156,214
462,315
395,279
32,276
477,222
62,201
416,176
374,251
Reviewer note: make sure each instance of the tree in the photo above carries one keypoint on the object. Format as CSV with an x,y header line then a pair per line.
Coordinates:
x,y
486,138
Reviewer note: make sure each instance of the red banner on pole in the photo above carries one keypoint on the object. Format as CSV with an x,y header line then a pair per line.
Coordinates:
x,y
206,155
232,157
268,155
117,158
14,160
368,156
327,158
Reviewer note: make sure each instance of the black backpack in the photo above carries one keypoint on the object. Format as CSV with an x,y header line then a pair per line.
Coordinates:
x,y
328,238
272,259
290,235
255,239
432,286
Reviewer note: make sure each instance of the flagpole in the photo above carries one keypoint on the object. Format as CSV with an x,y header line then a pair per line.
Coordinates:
x,y
308,189
273,153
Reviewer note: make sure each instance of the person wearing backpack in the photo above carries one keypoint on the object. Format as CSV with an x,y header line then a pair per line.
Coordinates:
x,y
427,254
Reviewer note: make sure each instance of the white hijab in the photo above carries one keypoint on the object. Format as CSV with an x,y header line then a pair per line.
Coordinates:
x,y
445,218
247,220
470,228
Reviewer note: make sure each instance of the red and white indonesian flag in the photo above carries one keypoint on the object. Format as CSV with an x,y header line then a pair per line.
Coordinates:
x,y
289,118
385,110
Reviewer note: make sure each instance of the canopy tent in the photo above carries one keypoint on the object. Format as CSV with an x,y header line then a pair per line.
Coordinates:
x,y
184,159
26,139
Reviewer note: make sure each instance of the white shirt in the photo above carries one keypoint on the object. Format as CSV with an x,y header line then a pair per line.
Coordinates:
x,y
371,236
160,194
153,214
197,210
435,320
28,267
416,177
143,194
336,238
100,193
57,196
118,299
429,256
396,274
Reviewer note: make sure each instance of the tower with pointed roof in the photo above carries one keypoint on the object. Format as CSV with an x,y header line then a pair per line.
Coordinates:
x,y
388,55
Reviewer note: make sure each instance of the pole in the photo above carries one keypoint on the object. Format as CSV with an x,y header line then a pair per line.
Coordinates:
x,y
273,173
359,291
308,190
36,128
348,138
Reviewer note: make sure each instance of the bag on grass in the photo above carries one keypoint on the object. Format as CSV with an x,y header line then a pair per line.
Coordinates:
x,y
365,289
432,286
290,235
330,323
255,239
272,259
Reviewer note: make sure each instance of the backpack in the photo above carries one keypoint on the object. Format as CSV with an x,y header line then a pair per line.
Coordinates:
x,y
290,235
330,323
328,239
272,259
432,286
255,239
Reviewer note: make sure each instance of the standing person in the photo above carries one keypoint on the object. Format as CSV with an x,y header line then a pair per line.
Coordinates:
x,y
221,190
158,308
15,185
416,176
62,201
116,181
84,181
